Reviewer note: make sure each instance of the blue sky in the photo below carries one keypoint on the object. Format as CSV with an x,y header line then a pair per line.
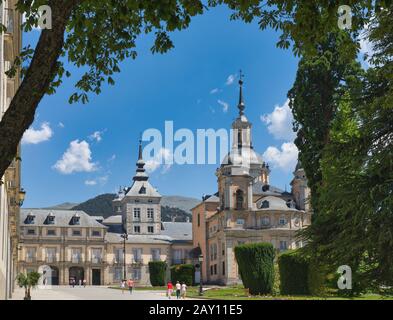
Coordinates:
x,y
177,86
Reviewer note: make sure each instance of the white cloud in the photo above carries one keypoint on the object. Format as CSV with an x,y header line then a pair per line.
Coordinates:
x,y
100,180
284,159
225,105
90,182
231,79
279,122
97,136
77,158
112,158
61,125
33,136
158,161
214,91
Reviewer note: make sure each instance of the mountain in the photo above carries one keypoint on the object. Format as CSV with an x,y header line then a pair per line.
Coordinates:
x,y
62,206
173,207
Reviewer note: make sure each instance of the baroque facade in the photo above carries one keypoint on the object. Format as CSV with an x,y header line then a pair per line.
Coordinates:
x,y
246,208
10,191
73,245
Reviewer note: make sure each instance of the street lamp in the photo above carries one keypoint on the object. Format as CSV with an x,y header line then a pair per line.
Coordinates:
x,y
22,195
200,258
125,238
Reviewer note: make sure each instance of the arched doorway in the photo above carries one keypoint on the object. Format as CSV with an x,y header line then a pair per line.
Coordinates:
x,y
76,273
46,276
55,276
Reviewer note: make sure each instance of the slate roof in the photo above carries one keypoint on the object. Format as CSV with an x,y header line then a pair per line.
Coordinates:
x,y
113,220
62,218
274,203
135,190
138,238
178,230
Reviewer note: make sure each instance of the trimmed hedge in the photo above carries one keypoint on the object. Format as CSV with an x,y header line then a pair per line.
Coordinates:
x,y
256,267
157,271
294,273
183,273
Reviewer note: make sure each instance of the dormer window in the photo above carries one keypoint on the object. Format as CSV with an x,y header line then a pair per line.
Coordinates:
x,y
50,219
30,218
265,204
75,219
291,204
142,190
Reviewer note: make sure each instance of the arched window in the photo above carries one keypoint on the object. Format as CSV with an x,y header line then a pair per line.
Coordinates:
x,y
239,199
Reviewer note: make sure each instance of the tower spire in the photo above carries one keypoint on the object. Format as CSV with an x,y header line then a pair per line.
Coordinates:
x,y
241,106
140,165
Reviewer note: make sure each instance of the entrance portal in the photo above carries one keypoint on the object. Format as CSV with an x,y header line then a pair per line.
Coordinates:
x,y
96,277
76,273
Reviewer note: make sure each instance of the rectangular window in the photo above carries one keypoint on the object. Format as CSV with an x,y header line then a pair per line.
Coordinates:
x,y
30,254
211,270
150,229
118,273
96,255
177,256
119,256
282,222
223,268
76,255
31,232
215,269
96,233
240,221
137,213
137,229
76,233
283,245
150,213
51,232
137,253
50,255
156,254
199,220
136,274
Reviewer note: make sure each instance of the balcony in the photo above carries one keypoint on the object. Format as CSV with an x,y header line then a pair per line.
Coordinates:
x,y
31,260
76,260
96,260
118,260
50,259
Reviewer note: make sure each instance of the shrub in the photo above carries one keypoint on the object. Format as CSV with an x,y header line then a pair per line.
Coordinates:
x,y
294,269
157,270
183,273
256,267
317,279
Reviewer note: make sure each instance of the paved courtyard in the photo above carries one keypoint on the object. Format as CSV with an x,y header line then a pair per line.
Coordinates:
x,y
89,293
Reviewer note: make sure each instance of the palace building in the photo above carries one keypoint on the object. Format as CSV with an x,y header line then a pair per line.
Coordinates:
x,y
73,245
11,194
246,208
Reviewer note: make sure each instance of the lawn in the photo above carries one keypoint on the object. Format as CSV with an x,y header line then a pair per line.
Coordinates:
x,y
239,293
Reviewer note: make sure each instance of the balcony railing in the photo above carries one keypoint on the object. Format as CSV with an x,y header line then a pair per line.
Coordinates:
x,y
96,260
31,259
9,21
50,259
76,259
118,260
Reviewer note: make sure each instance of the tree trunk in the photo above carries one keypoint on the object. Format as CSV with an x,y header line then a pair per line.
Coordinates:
x,y
43,67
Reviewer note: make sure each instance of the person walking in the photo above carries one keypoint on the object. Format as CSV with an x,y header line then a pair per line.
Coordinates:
x,y
183,290
123,286
169,289
178,289
130,284
84,283
80,283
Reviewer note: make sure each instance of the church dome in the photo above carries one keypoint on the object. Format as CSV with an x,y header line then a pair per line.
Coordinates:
x,y
243,156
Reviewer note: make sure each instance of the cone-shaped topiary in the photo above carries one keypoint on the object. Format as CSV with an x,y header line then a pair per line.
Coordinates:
x,y
256,267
